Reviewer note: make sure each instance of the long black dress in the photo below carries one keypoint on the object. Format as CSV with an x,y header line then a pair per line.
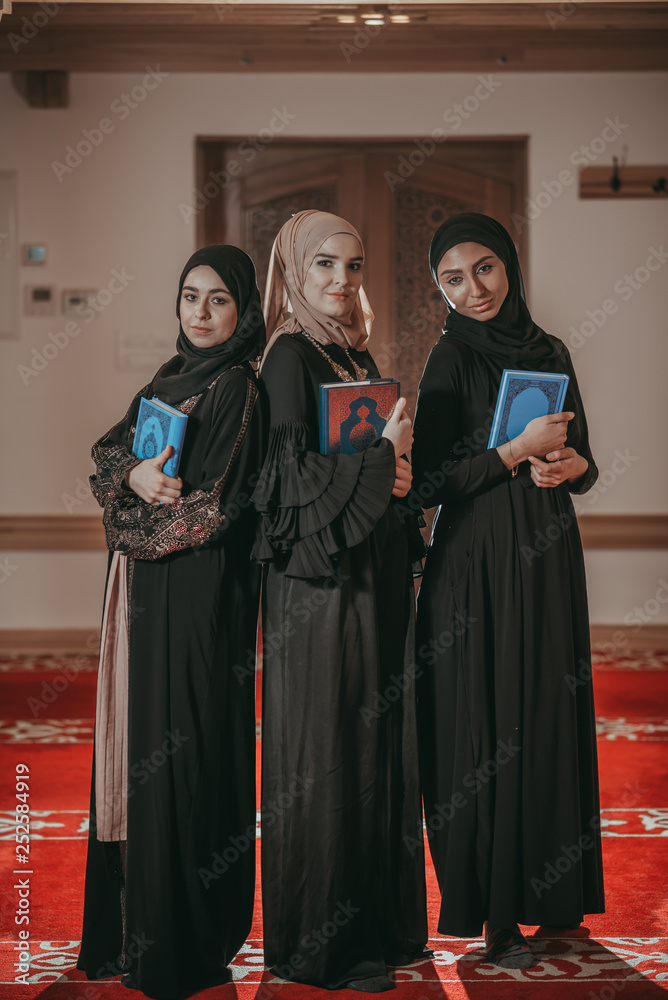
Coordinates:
x,y
193,600
508,740
342,852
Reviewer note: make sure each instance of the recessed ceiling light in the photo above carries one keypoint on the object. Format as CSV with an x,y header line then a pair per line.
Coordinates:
x,y
373,19
399,18
346,19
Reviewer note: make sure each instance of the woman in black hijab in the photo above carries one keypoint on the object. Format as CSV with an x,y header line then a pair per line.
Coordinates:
x,y
508,751
170,873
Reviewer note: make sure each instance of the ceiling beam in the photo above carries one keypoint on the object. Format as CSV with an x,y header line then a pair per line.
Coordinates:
x,y
477,36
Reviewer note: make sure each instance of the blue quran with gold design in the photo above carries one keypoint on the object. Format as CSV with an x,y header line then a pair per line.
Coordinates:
x,y
522,397
159,424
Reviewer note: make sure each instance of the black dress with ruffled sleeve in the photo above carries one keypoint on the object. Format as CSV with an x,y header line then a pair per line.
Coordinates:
x,y
342,855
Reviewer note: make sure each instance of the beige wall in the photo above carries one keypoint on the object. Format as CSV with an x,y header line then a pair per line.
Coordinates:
x,y
118,210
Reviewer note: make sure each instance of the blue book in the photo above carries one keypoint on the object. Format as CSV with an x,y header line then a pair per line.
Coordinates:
x,y
353,414
158,425
522,397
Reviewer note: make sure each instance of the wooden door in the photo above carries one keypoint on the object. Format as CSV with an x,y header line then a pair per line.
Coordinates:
x,y
409,307
396,217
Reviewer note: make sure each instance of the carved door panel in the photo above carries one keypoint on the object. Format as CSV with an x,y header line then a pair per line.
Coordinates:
x,y
409,307
257,206
396,219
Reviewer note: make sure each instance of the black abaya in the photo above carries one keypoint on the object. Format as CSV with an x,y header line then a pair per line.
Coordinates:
x,y
189,870
508,740
342,855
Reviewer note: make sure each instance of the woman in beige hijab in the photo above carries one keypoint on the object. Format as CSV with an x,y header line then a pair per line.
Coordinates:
x,y
342,850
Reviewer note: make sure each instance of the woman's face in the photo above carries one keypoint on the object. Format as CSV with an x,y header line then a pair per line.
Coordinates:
x,y
208,311
333,280
473,280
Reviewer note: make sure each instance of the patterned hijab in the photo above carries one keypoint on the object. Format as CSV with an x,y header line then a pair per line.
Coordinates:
x,y
511,336
285,307
193,368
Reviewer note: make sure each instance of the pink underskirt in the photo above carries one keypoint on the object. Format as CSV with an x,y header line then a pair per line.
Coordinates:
x,y
111,711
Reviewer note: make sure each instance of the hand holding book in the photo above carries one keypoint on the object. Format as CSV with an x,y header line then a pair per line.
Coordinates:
x,y
355,414
404,480
541,436
150,483
559,466
399,428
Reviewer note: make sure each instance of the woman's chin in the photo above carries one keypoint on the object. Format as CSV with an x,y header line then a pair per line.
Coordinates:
x,y
341,313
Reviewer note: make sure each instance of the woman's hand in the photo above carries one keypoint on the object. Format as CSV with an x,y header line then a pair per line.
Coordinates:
x,y
402,483
563,464
540,436
151,484
399,429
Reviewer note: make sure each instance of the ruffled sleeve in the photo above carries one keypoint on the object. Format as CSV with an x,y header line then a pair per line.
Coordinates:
x,y
313,506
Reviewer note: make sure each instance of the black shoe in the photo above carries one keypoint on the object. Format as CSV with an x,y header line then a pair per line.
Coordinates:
x,y
508,948
376,984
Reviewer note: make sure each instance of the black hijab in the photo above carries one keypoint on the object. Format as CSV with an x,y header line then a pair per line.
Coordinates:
x,y
193,368
511,336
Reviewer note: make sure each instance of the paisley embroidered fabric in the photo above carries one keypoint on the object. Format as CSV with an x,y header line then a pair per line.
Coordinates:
x,y
143,531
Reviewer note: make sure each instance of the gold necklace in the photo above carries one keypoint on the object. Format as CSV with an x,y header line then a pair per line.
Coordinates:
x,y
345,376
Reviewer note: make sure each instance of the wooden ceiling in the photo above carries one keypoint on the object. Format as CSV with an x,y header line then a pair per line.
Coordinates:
x,y
238,35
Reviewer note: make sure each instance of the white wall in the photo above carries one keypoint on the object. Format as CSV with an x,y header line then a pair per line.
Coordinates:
x,y
119,210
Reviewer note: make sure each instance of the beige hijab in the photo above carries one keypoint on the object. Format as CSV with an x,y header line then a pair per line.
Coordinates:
x,y
285,308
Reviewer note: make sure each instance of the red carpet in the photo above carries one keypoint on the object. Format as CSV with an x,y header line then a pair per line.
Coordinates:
x,y
48,709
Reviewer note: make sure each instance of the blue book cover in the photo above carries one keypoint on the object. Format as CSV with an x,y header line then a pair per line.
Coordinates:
x,y
522,397
158,425
353,414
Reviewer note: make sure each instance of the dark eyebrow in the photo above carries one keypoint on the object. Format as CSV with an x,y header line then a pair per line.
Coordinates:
x,y
190,288
332,256
458,270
